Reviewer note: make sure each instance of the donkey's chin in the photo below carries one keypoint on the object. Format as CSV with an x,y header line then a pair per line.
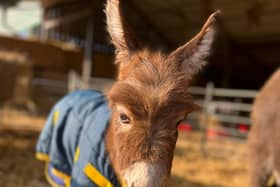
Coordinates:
x,y
143,174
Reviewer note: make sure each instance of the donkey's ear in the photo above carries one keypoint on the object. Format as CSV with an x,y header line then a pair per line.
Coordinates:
x,y
191,56
122,36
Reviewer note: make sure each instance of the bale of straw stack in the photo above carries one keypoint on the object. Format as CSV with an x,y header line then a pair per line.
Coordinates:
x,y
15,79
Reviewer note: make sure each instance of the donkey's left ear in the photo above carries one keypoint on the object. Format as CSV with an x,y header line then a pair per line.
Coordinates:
x,y
191,56
122,35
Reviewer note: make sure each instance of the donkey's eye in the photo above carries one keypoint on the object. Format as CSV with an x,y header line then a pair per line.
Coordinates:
x,y
124,119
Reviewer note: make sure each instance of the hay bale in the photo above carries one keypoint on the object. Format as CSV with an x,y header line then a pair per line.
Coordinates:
x,y
16,79
8,70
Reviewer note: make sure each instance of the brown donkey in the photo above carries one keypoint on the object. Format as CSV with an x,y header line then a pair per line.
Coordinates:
x,y
147,102
264,148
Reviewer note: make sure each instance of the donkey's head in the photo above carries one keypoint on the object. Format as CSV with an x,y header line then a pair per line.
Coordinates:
x,y
149,100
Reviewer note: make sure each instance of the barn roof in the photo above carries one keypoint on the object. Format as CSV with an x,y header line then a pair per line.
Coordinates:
x,y
252,25
244,21
249,33
247,50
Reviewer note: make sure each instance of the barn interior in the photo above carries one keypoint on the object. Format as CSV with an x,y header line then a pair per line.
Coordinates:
x,y
50,47
244,54
246,48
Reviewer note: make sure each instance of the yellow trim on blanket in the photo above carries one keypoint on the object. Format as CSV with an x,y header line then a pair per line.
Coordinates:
x,y
42,157
77,154
66,178
123,183
96,177
55,117
49,179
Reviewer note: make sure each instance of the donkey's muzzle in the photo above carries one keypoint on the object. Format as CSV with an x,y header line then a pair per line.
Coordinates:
x,y
145,174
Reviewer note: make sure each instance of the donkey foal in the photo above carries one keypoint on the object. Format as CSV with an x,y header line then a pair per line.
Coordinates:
x,y
147,102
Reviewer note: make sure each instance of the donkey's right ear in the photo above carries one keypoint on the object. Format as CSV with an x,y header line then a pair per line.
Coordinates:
x,y
122,36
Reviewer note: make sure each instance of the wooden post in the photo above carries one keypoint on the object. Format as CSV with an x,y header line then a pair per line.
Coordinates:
x,y
44,31
72,76
204,121
88,54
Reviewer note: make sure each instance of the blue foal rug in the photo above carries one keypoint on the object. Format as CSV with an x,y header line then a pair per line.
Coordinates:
x,y
72,142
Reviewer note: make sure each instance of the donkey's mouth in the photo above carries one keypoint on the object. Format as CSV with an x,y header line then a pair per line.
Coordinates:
x,y
144,174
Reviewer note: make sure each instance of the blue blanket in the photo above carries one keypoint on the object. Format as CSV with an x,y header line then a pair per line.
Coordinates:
x,y
72,142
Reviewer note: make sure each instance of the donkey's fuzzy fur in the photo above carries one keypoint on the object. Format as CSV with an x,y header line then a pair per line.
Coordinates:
x,y
264,149
149,99
147,102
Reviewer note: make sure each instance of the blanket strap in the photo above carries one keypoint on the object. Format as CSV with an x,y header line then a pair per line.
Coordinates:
x,y
95,176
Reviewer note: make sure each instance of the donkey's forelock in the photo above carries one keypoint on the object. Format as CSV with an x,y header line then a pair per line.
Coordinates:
x,y
150,90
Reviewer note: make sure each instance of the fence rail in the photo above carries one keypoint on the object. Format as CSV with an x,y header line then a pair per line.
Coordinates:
x,y
223,110
208,99
228,108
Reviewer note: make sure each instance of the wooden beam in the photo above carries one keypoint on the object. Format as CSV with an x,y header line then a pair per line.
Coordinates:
x,y
51,3
56,22
88,54
255,11
265,45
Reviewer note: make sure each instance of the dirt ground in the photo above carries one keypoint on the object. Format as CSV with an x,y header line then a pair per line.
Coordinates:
x,y
18,168
225,165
